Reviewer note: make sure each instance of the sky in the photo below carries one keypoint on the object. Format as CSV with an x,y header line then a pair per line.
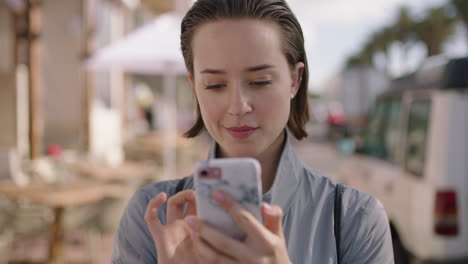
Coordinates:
x,y
336,29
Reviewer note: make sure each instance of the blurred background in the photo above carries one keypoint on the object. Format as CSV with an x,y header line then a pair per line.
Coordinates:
x,y
94,102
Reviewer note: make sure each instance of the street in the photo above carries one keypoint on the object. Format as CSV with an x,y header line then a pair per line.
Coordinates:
x,y
316,152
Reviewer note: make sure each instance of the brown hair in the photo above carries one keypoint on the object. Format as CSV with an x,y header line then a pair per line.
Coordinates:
x,y
278,11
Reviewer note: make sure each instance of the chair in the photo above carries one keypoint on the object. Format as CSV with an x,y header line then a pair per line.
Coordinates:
x,y
17,218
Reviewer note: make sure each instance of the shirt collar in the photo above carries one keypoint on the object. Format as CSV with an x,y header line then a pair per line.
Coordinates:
x,y
287,174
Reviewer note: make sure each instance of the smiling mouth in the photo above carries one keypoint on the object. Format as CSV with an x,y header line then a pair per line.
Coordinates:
x,y
241,132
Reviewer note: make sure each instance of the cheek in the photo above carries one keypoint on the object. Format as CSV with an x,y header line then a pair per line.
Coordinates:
x,y
275,106
210,109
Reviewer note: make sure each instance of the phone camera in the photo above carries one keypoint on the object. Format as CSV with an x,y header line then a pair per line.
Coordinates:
x,y
204,173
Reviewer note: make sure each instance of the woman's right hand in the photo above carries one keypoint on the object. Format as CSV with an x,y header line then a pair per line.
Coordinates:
x,y
172,240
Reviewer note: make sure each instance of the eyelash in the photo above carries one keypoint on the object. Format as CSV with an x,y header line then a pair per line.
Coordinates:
x,y
264,83
214,86
217,86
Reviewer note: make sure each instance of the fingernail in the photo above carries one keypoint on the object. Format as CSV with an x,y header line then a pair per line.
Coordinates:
x,y
219,196
269,209
190,221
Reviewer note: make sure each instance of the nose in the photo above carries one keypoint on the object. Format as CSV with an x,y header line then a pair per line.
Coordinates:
x,y
239,102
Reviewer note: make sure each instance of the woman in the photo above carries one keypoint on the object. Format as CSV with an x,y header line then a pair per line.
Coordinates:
x,y
247,66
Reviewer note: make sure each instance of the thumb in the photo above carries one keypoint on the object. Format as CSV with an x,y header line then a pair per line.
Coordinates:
x,y
273,218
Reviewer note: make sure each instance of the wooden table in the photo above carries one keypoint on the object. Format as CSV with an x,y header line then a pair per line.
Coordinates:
x,y
125,173
59,197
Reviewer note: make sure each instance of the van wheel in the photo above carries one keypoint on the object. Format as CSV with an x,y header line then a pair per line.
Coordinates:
x,y
400,254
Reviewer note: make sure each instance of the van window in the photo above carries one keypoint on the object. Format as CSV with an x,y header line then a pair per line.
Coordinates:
x,y
416,137
374,140
383,133
392,133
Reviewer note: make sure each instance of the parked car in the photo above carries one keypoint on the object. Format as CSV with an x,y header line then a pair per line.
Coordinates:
x,y
414,159
336,123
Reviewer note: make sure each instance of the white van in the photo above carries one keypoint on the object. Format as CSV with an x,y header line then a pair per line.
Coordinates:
x,y
414,159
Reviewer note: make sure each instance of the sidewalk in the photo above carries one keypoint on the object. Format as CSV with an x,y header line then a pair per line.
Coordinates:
x,y
317,152
319,156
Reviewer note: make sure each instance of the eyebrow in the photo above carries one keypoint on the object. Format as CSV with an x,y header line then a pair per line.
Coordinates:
x,y
259,68
250,69
212,71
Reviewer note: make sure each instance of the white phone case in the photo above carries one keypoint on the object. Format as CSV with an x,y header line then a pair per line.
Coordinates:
x,y
240,177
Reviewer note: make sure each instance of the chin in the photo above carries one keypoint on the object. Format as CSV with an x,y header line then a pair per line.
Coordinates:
x,y
251,147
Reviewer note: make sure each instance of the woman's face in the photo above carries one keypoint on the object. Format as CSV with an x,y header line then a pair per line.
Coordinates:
x,y
243,84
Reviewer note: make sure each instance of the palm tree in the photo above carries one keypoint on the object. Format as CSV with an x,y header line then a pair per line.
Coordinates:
x,y
434,29
367,54
382,42
379,42
404,26
461,6
404,30
355,60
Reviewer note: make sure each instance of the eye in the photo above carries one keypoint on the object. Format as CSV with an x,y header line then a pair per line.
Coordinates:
x,y
214,86
264,83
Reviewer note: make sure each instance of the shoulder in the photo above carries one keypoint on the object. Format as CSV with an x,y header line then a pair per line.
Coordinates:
x,y
365,230
362,214
359,203
354,202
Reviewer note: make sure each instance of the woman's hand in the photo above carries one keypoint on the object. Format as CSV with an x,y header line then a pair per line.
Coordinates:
x,y
172,240
264,243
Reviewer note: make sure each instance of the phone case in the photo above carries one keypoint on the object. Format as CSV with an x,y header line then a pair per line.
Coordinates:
x,y
240,177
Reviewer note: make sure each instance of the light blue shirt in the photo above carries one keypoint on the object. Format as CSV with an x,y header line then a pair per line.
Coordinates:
x,y
307,200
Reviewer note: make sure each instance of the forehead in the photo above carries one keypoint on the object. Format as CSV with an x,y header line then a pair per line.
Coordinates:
x,y
240,43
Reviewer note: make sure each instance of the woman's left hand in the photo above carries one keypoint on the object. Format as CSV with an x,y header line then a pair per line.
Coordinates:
x,y
264,244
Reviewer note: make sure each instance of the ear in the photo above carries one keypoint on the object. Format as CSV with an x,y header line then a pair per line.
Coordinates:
x,y
297,78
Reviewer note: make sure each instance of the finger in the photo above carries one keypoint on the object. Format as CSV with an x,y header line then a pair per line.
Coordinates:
x,y
191,208
151,213
207,254
219,241
243,218
176,203
273,218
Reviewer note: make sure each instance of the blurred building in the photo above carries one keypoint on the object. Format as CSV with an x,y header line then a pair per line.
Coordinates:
x,y
356,89
8,91
46,96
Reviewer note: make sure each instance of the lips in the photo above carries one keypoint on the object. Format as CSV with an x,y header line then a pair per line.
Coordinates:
x,y
241,132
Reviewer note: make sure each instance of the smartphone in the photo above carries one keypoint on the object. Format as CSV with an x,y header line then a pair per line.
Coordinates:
x,y
240,177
